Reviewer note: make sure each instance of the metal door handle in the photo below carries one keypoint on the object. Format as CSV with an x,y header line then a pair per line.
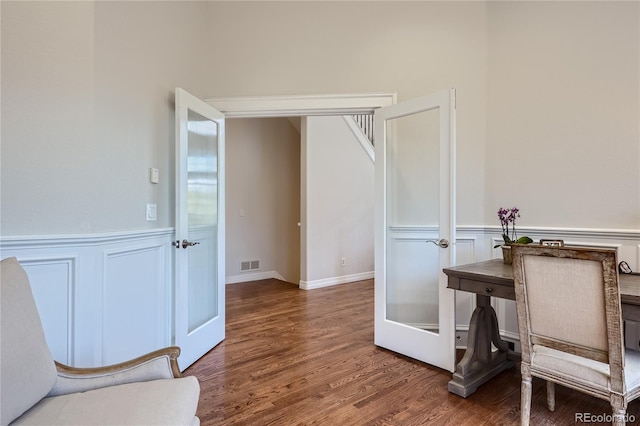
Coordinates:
x,y
185,243
442,243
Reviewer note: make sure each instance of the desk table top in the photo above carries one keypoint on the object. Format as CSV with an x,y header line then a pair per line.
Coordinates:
x,y
497,272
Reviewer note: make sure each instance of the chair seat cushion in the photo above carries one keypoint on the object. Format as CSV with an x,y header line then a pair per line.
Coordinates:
x,y
587,372
632,369
156,402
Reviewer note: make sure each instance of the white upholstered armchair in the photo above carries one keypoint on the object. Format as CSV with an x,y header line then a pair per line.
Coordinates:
x,y
36,390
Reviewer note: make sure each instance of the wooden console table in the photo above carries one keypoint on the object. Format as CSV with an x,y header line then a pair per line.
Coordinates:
x,y
494,278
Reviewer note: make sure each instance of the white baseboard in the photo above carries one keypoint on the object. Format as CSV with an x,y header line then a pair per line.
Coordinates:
x,y
253,276
327,282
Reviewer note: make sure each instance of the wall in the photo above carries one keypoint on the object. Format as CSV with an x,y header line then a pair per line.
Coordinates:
x,y
533,78
337,210
412,48
563,113
87,109
263,198
547,111
547,91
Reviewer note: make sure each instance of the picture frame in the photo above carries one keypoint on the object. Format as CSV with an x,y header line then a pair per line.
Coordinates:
x,y
552,243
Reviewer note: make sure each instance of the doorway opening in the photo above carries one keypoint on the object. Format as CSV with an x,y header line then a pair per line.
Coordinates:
x,y
298,108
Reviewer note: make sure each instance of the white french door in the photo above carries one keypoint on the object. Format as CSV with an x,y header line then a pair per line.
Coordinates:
x,y
415,228
199,245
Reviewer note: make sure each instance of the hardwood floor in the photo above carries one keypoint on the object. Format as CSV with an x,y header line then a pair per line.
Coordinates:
x,y
296,357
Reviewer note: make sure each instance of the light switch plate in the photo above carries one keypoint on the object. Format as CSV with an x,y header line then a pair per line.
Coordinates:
x,y
152,212
154,175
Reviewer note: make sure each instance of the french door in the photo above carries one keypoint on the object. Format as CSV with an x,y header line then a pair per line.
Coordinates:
x,y
415,228
199,245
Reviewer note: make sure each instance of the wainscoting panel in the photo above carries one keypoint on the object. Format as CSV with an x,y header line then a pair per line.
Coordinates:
x,y
101,298
136,302
465,302
106,297
624,241
53,286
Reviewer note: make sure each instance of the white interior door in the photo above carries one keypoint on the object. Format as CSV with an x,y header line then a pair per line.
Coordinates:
x,y
415,228
199,246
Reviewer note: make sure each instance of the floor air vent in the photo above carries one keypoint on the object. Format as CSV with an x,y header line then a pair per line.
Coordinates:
x,y
249,265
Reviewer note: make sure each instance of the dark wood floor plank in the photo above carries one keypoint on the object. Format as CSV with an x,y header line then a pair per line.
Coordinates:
x,y
296,357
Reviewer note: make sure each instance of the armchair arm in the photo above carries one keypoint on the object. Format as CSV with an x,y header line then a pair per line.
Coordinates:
x,y
160,364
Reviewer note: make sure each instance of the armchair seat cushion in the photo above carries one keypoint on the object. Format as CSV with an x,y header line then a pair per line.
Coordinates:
x,y
157,402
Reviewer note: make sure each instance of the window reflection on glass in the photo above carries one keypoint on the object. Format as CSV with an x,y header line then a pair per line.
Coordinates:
x,y
202,200
202,170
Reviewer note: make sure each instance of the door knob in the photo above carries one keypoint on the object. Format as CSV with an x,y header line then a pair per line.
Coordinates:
x,y
186,243
442,243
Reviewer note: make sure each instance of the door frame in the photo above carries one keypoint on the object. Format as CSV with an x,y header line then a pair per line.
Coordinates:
x,y
301,106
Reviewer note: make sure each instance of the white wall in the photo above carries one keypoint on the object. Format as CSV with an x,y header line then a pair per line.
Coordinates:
x,y
563,133
337,211
412,48
543,88
87,109
551,85
548,115
263,181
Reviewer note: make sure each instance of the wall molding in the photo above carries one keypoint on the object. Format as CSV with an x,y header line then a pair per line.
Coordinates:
x,y
327,282
301,105
626,234
253,276
26,241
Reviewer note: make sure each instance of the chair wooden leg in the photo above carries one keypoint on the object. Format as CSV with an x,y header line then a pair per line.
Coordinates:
x,y
525,396
619,417
551,395
619,406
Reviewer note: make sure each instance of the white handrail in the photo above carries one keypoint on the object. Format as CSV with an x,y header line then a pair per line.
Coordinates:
x,y
357,131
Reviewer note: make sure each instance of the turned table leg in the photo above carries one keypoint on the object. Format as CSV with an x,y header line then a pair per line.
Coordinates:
x,y
480,363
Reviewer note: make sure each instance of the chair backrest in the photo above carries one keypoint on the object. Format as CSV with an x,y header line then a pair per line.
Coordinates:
x,y
568,299
27,369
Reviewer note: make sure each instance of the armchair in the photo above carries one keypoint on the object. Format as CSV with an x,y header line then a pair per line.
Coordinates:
x,y
34,389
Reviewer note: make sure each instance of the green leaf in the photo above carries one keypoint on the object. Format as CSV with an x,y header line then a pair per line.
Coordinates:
x,y
524,240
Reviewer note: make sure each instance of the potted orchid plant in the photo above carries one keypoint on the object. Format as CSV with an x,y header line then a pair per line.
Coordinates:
x,y
507,219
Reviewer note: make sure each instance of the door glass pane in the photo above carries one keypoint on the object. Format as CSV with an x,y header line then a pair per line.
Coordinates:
x,y
412,188
202,195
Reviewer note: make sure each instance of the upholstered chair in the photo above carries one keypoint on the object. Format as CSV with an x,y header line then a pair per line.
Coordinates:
x,y
570,324
36,390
